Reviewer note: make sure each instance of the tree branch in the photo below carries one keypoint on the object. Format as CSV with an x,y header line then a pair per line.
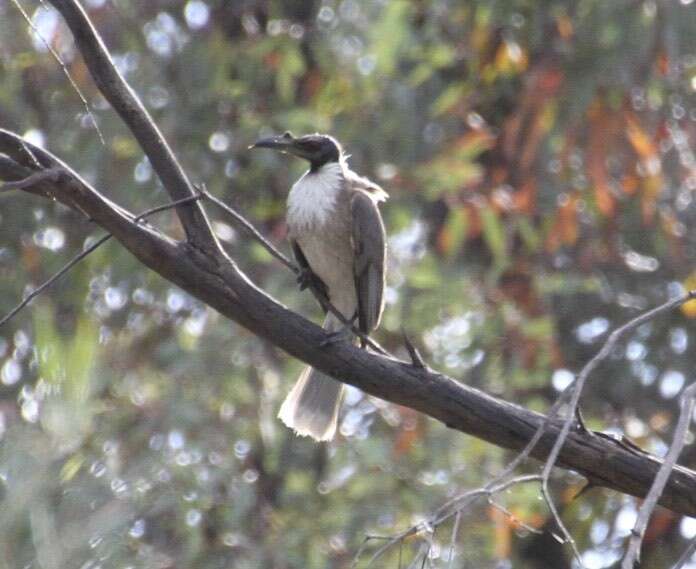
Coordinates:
x,y
200,267
241,221
219,283
36,178
688,401
133,113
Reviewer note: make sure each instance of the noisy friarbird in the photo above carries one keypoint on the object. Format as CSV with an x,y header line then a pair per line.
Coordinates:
x,y
338,239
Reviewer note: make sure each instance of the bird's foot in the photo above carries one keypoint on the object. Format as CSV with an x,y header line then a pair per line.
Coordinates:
x,y
345,333
307,279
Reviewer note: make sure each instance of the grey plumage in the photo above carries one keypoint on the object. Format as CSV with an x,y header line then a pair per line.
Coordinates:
x,y
311,408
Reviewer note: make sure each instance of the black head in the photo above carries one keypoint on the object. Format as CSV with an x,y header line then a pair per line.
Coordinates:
x,y
318,149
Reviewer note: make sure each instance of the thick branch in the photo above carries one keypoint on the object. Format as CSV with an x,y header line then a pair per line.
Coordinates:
x,y
219,283
133,113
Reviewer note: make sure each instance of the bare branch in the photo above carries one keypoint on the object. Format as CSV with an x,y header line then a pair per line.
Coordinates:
x,y
453,539
49,46
452,508
688,401
513,518
94,246
131,110
245,224
43,286
49,175
686,556
414,354
219,283
575,389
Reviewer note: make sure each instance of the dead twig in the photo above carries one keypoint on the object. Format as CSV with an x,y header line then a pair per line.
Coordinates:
x,y
63,67
416,358
77,258
43,286
688,402
47,175
247,226
453,507
686,556
575,390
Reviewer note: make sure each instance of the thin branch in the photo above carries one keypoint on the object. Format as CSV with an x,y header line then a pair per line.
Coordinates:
x,y
416,358
77,258
133,113
453,539
686,556
567,537
576,387
43,286
446,511
225,288
48,175
688,401
513,518
63,68
164,207
246,225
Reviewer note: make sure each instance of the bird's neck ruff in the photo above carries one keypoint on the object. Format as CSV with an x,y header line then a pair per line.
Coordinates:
x,y
313,197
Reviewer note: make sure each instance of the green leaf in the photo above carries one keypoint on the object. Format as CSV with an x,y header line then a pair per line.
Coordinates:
x,y
494,236
79,360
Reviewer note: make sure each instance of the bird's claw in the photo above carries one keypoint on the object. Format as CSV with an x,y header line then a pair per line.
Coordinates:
x,y
307,279
338,336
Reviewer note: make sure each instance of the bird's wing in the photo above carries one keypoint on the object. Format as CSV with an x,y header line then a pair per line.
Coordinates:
x,y
361,183
369,245
309,279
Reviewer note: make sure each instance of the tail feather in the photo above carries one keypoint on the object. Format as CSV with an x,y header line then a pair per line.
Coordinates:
x,y
311,408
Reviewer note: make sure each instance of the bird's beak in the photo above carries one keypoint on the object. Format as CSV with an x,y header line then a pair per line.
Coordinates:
x,y
277,142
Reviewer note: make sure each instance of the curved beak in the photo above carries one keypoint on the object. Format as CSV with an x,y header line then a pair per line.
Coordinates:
x,y
277,142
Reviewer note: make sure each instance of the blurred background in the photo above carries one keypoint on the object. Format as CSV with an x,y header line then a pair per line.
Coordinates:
x,y
540,161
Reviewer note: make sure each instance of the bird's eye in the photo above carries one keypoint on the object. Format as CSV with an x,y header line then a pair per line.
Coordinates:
x,y
287,134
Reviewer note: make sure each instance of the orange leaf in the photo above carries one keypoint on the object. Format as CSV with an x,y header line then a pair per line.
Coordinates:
x,y
565,229
565,26
689,308
629,184
410,431
502,535
475,227
568,217
604,200
602,132
524,198
663,63
640,140
652,186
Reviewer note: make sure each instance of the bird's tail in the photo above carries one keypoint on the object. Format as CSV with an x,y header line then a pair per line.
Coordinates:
x,y
311,408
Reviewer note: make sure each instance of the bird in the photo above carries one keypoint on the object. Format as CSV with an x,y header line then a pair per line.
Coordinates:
x,y
338,240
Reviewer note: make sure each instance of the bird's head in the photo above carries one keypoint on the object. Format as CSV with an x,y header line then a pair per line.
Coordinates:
x,y
318,149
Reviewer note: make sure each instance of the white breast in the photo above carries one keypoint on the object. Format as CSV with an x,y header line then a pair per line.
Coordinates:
x,y
313,197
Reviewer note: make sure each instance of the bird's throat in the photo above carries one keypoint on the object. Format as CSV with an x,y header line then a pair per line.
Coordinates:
x,y
313,197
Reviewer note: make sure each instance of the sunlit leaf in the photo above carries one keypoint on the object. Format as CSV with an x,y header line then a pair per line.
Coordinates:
x,y
640,140
689,308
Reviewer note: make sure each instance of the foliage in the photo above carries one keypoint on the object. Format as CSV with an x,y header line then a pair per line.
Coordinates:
x,y
540,165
